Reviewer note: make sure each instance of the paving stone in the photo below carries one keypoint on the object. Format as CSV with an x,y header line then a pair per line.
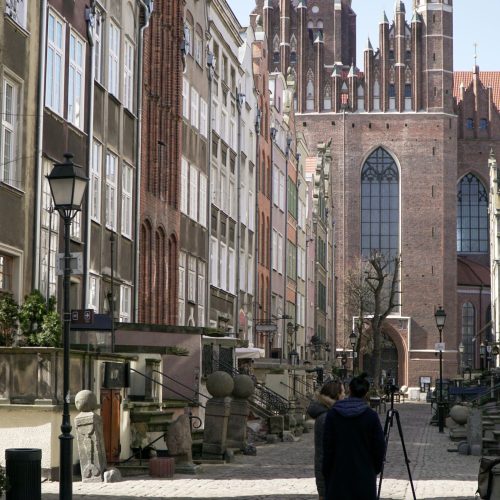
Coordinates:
x,y
284,471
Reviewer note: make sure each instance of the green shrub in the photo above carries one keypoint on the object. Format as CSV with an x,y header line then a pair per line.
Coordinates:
x,y
9,312
3,481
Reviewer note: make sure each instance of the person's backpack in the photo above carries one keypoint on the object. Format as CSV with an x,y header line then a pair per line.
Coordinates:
x,y
485,476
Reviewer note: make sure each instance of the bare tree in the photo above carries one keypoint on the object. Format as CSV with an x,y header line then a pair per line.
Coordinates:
x,y
382,278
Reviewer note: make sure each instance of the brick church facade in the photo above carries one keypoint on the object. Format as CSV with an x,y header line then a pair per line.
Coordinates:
x,y
410,141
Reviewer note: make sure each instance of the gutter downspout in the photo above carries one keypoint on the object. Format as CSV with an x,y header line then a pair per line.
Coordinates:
x,y
270,263
257,226
138,169
239,102
210,70
35,279
89,19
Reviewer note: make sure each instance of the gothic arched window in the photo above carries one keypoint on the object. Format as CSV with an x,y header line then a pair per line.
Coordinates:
x,y
472,215
380,205
468,321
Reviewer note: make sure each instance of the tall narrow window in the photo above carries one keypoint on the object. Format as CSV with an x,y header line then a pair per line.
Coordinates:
x,y
185,98
111,177
472,216
182,287
9,135
191,279
468,322
98,45
114,59
127,184
128,75
16,10
201,293
380,205
203,200
76,84
376,96
95,182
125,303
203,117
193,193
54,71
94,292
184,185
195,99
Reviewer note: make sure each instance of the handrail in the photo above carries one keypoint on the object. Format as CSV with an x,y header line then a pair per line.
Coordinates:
x,y
273,402
198,393
296,391
197,403
308,386
488,390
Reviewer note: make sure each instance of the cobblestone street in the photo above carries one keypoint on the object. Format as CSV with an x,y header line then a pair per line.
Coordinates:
x,y
285,471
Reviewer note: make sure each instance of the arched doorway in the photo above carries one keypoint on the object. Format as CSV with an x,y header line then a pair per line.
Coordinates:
x,y
389,362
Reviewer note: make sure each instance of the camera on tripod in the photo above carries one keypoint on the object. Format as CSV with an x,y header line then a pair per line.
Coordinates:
x,y
391,387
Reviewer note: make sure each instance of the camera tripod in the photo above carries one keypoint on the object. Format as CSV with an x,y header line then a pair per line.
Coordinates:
x,y
389,422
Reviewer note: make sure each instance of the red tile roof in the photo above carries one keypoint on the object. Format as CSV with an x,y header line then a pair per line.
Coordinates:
x,y
487,78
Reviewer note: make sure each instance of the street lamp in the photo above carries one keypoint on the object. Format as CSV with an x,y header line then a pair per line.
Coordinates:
x,y
461,349
67,184
482,354
353,339
440,317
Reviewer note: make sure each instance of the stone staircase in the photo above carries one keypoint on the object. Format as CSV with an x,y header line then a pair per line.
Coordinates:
x,y
491,429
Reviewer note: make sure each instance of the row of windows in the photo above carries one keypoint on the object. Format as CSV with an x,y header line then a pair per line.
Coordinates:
x,y
197,113
193,193
112,187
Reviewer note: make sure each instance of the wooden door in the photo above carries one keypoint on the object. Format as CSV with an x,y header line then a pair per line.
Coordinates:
x,y
110,413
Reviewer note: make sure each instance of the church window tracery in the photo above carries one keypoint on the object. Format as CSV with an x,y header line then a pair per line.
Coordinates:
x,y
472,216
293,49
310,90
276,49
380,204
327,103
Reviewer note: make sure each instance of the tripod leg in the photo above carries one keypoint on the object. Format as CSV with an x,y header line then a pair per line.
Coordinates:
x,y
387,431
400,429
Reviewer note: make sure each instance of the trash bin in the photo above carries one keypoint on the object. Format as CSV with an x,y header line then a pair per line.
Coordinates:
x,y
23,467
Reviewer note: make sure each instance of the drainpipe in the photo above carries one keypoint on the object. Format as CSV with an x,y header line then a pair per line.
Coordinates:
x,y
148,9
35,279
240,99
89,19
270,263
285,266
257,224
210,72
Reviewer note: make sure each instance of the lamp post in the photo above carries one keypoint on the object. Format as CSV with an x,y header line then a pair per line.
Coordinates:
x,y
461,349
67,185
482,354
440,317
353,339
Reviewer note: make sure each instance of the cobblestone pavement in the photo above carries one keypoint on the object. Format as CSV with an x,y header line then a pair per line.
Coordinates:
x,y
284,471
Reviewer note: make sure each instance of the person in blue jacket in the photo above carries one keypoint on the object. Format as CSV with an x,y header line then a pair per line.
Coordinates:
x,y
353,446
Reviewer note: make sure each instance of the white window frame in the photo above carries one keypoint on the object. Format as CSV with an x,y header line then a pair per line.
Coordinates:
x,y
188,38
185,98
184,186
95,181
128,74
232,271
182,288
76,80
94,292
275,250
223,125
222,192
193,193
203,117
201,293
114,59
10,124
195,117
223,266
125,303
276,181
98,45
214,264
76,227
16,10
111,190
56,64
127,189
198,49
282,191
232,199
280,254
203,200
191,288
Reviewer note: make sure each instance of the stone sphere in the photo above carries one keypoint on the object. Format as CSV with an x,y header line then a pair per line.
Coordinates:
x,y
220,384
243,386
85,401
459,414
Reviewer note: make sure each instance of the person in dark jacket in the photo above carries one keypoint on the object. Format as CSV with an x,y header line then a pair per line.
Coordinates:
x,y
353,446
329,394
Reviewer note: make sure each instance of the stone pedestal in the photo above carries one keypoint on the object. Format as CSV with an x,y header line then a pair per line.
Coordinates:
x,y
220,385
475,432
89,437
240,409
180,443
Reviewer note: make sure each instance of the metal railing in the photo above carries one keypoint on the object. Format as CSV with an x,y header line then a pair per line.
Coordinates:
x,y
263,397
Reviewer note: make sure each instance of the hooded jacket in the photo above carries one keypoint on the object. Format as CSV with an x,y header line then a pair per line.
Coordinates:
x,y
354,448
317,411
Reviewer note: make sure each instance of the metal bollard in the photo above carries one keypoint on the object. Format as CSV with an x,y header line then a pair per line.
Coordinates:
x,y
23,467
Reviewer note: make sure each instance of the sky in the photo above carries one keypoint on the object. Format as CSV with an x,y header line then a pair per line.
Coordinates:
x,y
475,22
